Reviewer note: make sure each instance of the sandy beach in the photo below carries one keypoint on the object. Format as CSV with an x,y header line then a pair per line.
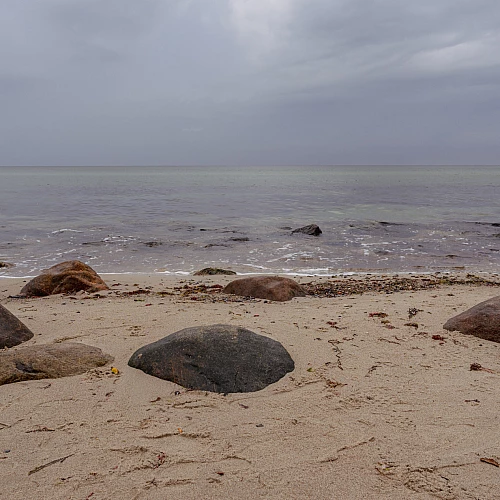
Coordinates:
x,y
382,404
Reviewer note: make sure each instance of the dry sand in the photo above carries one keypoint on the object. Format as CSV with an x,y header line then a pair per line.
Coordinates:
x,y
374,409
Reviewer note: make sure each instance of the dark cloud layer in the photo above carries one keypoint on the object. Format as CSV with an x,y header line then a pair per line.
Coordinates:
x,y
240,82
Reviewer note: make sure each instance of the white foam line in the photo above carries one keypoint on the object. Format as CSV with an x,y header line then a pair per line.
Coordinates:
x,y
66,231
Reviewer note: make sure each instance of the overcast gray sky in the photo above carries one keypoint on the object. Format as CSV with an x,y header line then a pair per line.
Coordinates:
x,y
155,82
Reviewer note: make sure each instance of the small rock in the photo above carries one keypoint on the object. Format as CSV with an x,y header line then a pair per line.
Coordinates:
x,y
5,265
311,230
210,271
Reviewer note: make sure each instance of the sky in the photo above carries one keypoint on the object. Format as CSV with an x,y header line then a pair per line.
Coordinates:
x,y
249,82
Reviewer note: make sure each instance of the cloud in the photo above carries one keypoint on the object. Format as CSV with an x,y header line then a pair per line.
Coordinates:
x,y
248,81
335,41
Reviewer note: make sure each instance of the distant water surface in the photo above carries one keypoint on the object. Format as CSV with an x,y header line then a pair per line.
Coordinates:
x,y
178,220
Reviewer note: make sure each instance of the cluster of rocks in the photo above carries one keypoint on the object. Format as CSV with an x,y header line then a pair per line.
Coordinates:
x,y
55,360
223,358
217,358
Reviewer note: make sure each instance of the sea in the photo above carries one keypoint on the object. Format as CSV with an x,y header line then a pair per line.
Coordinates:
x,y
177,220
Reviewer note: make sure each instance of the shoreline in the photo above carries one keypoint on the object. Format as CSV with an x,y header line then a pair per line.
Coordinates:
x,y
346,274
375,408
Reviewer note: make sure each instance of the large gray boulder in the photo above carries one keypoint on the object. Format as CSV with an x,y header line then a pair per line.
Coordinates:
x,y
67,277
266,287
12,331
216,358
482,320
49,361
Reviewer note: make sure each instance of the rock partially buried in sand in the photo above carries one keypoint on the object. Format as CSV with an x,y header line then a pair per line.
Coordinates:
x,y
482,320
49,361
216,358
211,271
67,277
311,230
12,330
266,287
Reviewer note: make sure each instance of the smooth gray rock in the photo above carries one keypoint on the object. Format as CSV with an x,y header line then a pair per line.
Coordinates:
x,y
12,330
49,361
266,287
482,320
216,358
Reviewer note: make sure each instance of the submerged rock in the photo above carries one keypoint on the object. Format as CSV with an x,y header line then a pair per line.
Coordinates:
x,y
49,361
242,239
311,230
67,277
216,358
482,320
12,330
211,271
5,265
266,287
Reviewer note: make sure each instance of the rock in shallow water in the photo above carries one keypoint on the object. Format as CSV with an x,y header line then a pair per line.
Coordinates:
x,y
67,277
266,287
311,230
12,330
212,271
216,358
49,361
482,320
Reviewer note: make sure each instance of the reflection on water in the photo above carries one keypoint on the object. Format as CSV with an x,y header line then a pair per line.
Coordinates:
x,y
180,219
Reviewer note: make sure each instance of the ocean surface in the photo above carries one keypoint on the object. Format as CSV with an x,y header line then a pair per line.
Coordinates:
x,y
176,220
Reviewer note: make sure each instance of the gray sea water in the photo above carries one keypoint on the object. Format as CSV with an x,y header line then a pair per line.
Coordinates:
x,y
176,220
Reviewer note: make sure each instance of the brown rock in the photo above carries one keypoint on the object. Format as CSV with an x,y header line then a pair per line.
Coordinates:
x,y
266,287
5,265
482,320
67,277
12,331
49,361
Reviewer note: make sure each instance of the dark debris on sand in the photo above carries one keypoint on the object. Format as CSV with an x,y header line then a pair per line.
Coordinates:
x,y
390,284
336,287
